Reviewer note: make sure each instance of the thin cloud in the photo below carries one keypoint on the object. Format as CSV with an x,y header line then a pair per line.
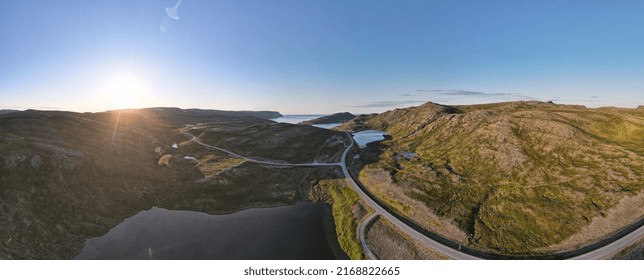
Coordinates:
x,y
380,104
479,94
32,108
592,99
575,100
173,12
407,94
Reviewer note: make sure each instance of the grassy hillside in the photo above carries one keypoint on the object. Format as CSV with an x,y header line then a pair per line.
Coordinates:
x,y
280,141
348,212
65,177
515,177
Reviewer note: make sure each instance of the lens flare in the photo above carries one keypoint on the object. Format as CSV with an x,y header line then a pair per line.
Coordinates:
x,y
126,92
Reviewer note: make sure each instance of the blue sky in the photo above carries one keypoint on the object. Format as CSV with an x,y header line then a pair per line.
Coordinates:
x,y
318,56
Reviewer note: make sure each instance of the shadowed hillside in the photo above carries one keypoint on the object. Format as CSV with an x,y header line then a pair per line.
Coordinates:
x,y
65,177
514,177
334,118
280,141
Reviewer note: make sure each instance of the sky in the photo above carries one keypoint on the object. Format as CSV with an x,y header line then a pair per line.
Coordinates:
x,y
308,57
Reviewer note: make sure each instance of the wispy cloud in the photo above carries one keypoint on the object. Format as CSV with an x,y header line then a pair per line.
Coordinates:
x,y
31,107
478,94
575,100
380,104
407,94
173,12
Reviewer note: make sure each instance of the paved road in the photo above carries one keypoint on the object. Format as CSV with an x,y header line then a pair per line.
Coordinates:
x,y
427,241
362,231
612,247
198,141
443,249
380,211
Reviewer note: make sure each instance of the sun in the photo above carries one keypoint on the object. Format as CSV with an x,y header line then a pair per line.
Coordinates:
x,y
126,91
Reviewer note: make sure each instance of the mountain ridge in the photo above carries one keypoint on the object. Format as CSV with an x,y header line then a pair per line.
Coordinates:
x,y
501,171
333,118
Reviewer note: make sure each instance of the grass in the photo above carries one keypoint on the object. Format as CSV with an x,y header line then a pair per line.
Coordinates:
x,y
344,199
515,176
622,132
212,165
91,177
165,160
283,142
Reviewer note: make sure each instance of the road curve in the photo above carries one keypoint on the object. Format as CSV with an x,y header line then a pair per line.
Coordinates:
x,y
612,247
379,210
362,231
450,252
604,250
198,141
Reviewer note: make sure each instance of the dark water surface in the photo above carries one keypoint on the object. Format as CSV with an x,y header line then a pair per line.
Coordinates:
x,y
301,231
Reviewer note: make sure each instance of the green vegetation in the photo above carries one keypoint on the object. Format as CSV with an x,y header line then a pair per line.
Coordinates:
x,y
346,213
212,165
65,177
280,141
514,176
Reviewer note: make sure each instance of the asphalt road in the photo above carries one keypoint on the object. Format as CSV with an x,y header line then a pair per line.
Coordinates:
x,y
198,141
362,231
612,247
380,211
448,251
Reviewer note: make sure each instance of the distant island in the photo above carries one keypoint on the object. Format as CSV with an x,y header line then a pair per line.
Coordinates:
x,y
334,118
5,111
208,112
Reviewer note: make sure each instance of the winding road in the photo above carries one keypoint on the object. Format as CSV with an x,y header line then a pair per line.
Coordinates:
x,y
198,141
380,211
433,243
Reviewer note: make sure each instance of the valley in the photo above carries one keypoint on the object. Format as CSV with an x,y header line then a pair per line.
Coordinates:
x,y
507,180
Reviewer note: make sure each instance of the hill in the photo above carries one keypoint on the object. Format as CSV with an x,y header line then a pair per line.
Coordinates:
x,y
204,113
65,177
334,118
5,111
510,178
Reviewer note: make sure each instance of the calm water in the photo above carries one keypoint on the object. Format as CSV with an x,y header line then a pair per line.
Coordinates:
x,y
367,136
294,119
300,231
327,125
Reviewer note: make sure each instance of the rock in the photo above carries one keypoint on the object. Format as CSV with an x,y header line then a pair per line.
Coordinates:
x,y
36,161
13,160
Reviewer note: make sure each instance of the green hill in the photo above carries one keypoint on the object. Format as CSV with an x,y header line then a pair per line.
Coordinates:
x,y
514,177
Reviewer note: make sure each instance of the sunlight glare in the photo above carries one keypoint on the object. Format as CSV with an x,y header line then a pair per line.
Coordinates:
x,y
126,92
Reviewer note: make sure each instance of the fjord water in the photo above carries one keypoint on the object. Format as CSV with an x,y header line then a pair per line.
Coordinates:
x,y
295,119
301,231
